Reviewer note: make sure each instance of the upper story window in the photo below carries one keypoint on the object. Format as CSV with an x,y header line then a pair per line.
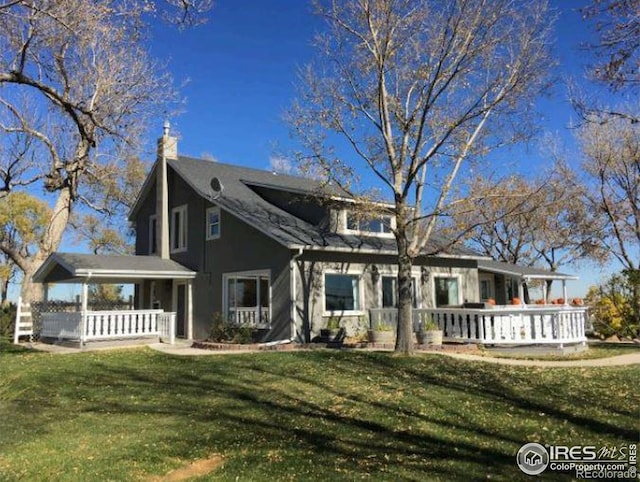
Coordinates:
x,y
213,223
153,234
379,225
178,228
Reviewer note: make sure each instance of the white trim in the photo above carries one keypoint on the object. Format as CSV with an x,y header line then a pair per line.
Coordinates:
x,y
344,213
183,234
212,209
350,272
104,273
457,277
153,233
266,273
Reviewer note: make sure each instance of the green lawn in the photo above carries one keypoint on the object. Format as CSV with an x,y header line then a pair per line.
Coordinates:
x,y
319,415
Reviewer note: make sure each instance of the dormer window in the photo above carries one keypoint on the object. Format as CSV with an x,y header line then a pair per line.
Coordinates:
x,y
359,224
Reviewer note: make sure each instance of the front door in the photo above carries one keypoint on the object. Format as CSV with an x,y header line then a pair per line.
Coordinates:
x,y
181,304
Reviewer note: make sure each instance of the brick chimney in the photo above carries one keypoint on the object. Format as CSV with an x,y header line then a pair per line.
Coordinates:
x,y
167,149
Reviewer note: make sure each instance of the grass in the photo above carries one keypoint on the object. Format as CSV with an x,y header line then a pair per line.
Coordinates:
x,y
320,415
594,351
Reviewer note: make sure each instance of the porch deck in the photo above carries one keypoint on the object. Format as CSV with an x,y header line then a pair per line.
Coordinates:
x,y
502,325
92,326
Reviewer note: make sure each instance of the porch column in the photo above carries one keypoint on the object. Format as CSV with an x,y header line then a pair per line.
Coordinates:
x,y
45,296
189,309
83,312
521,292
564,292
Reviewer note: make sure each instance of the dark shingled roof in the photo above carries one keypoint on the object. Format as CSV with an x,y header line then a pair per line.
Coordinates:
x,y
239,199
521,271
60,267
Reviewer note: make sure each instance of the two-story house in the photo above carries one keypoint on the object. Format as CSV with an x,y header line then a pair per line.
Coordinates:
x,y
281,254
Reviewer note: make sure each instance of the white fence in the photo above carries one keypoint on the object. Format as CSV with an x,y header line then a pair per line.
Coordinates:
x,y
250,317
109,325
499,326
23,325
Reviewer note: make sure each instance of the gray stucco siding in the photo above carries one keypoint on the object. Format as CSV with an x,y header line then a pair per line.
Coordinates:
x,y
311,267
242,249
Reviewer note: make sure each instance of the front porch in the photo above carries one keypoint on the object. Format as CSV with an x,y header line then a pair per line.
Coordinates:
x,y
161,319
95,326
499,325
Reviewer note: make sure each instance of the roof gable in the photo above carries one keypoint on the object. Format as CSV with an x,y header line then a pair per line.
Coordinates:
x,y
240,198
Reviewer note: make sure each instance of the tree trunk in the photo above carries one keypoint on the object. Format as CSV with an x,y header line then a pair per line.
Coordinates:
x,y
51,241
404,339
548,284
4,290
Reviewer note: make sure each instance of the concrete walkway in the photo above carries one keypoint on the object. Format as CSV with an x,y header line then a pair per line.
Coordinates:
x,y
628,359
185,349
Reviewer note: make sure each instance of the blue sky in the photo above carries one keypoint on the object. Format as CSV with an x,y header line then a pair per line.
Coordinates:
x,y
238,72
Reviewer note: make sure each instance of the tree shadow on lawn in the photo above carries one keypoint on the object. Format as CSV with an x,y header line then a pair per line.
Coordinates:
x,y
509,384
244,412
263,404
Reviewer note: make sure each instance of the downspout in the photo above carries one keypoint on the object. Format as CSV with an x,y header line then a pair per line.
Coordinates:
x,y
293,292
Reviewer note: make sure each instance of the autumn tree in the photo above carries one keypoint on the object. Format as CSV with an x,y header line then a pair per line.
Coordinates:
x,y
611,304
77,90
536,221
610,181
414,89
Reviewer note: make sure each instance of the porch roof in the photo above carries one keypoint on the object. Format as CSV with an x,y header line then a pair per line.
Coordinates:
x,y
97,268
524,272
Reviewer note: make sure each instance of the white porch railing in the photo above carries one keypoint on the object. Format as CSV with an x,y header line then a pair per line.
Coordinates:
x,y
501,325
250,317
107,325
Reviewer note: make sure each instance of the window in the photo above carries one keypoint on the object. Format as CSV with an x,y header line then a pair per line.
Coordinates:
x,y
248,299
178,227
485,289
341,292
213,223
390,292
380,224
153,234
447,291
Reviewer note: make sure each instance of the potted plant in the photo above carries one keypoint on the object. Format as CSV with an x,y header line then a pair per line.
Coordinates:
x,y
333,332
382,333
429,334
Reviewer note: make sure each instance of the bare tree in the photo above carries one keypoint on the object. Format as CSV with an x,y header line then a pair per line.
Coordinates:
x,y
416,88
533,222
611,190
77,90
617,23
